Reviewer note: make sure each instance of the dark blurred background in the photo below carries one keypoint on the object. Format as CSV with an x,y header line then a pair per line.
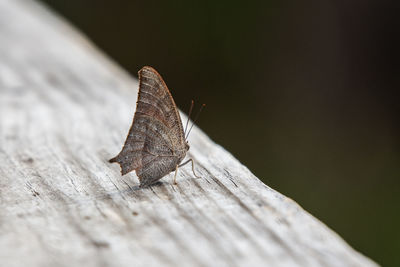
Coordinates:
x,y
305,94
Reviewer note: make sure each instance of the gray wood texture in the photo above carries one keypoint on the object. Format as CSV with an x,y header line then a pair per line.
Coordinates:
x,y
65,109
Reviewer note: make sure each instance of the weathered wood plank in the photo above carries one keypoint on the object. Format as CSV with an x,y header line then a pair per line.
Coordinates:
x,y
65,109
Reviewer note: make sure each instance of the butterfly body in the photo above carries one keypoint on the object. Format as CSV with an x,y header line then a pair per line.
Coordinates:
x,y
156,143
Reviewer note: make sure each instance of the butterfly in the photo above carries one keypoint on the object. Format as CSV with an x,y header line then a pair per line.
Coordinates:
x,y
156,142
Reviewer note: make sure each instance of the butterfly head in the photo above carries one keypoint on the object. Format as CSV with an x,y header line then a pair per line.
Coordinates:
x,y
187,145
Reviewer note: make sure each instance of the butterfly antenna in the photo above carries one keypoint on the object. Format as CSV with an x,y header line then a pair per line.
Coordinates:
x,y
195,119
190,112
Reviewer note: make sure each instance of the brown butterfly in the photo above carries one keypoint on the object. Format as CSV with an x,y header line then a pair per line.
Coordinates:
x,y
156,143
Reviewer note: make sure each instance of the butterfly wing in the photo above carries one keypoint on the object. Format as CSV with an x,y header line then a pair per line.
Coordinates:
x,y
155,143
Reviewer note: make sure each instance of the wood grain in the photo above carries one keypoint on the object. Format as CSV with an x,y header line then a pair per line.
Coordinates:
x,y
65,109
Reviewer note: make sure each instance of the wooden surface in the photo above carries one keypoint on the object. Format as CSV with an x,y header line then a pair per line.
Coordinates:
x,y
65,109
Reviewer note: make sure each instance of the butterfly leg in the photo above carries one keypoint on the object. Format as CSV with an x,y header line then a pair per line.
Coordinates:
x,y
186,162
176,172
